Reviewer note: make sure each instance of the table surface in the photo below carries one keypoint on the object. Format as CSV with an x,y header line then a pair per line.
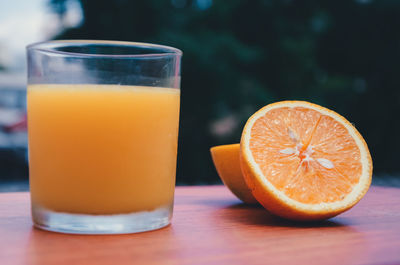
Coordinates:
x,y
210,226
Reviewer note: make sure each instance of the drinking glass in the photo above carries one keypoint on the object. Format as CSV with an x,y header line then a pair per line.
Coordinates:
x,y
102,130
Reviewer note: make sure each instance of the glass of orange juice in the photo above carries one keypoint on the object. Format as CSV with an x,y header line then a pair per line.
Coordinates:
x,y
102,128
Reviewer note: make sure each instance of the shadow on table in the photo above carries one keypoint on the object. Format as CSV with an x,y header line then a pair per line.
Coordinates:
x,y
257,215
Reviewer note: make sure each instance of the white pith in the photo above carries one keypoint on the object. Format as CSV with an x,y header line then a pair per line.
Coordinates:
x,y
307,155
347,200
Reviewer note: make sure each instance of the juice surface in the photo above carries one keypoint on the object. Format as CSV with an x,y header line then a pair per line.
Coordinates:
x,y
102,149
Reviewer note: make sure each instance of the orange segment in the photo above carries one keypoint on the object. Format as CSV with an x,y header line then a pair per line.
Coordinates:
x,y
226,161
303,161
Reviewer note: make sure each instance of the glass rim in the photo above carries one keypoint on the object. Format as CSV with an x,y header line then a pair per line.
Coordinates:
x,y
50,47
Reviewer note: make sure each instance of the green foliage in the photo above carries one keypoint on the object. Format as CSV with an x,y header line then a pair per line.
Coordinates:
x,y
241,55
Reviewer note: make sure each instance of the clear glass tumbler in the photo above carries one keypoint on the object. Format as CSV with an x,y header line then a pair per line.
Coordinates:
x,y
103,128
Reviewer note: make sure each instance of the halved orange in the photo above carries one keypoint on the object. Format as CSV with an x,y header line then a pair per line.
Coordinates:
x,y
303,161
226,161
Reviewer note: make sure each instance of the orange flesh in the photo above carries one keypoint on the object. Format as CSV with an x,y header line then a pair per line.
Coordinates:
x,y
309,156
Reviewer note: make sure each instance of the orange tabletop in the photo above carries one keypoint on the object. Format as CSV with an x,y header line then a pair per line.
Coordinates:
x,y
210,226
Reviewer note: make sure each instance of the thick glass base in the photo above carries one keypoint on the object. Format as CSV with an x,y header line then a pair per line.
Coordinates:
x,y
101,224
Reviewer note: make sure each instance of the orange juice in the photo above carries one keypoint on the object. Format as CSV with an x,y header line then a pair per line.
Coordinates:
x,y
102,149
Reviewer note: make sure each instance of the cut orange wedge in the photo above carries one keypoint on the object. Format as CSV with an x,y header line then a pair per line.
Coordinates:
x,y
303,161
226,161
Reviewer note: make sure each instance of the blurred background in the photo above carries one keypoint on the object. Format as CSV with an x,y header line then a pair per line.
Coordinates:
x,y
238,56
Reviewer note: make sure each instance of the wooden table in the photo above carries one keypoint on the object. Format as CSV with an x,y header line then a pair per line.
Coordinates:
x,y
210,226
